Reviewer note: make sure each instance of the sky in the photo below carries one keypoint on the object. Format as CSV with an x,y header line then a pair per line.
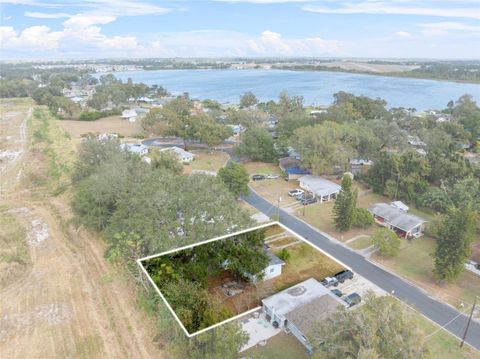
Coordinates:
x,y
88,29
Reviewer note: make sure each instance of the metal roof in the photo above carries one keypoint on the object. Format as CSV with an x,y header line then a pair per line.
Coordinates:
x,y
396,217
320,186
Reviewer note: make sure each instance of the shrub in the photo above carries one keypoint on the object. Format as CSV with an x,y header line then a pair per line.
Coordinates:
x,y
386,241
284,255
363,218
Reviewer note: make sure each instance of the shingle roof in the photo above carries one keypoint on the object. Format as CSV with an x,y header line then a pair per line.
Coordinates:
x,y
396,217
305,317
273,259
320,186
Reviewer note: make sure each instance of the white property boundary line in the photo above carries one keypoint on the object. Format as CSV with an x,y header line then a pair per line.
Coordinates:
x,y
139,262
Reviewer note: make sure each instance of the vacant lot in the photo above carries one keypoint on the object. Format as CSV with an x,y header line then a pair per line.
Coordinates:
x,y
112,124
415,262
208,161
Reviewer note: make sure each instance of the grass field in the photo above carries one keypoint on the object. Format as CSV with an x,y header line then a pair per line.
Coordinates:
x,y
208,161
415,262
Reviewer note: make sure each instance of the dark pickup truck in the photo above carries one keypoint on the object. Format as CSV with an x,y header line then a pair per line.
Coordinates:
x,y
343,275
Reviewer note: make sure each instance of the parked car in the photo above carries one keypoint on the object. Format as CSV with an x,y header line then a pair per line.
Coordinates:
x,y
302,196
337,292
329,281
308,200
296,192
258,177
344,275
352,299
272,176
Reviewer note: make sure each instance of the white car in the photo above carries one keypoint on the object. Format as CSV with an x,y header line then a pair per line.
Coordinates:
x,y
272,176
296,192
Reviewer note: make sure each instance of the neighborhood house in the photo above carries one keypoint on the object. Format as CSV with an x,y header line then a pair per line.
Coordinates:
x,y
292,168
322,188
129,115
298,308
182,155
136,148
398,220
272,270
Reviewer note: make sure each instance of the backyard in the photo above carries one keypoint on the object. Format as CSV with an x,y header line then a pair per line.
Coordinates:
x,y
281,346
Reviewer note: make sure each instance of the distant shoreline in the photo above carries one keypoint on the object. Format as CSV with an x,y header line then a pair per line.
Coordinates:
x,y
405,74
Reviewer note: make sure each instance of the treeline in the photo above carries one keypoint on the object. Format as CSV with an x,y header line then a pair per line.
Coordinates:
x,y
145,209
437,71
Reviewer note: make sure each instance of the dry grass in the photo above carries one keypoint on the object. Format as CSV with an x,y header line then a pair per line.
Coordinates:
x,y
208,161
112,124
272,189
415,262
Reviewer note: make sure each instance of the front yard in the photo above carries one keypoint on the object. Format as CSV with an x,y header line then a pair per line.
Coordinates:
x,y
207,161
415,262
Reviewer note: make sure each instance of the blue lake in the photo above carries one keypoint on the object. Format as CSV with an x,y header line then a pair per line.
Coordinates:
x,y
315,87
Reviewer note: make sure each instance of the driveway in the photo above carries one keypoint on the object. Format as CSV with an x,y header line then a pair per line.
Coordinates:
x,y
442,314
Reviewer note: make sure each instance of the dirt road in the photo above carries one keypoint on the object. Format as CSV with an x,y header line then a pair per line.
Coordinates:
x,y
70,302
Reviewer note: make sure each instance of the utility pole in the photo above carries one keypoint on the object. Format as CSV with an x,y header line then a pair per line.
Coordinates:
x,y
469,320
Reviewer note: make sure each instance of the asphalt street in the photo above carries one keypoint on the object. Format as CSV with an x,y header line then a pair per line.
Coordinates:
x,y
438,312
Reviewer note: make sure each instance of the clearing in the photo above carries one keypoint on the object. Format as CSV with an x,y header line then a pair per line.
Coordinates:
x,y
58,303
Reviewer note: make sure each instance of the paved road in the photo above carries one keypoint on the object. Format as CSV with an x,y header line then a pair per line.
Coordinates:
x,y
436,311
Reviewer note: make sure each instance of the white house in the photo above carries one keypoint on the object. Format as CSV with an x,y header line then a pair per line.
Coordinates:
x,y
182,155
136,148
322,188
405,225
297,309
129,115
272,270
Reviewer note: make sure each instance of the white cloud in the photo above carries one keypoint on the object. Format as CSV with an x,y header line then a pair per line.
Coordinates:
x,y
402,34
398,8
454,26
43,15
85,20
32,38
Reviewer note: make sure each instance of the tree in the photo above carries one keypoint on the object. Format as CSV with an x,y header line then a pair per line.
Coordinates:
x,y
386,242
166,160
235,177
248,99
382,328
257,145
455,237
210,132
344,207
363,218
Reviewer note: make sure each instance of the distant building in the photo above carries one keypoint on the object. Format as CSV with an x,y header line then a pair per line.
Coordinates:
x,y
360,166
322,188
403,224
136,148
129,115
182,155
299,308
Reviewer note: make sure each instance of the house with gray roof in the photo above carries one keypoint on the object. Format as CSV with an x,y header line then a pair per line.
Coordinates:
x,y
322,188
406,225
182,155
297,309
272,270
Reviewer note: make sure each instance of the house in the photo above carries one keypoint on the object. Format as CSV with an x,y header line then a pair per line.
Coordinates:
x,y
292,153
297,309
237,129
404,224
322,188
272,270
400,205
129,115
136,148
292,168
359,166
182,155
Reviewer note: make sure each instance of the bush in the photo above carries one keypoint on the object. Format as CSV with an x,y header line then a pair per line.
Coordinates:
x,y
284,255
363,218
91,116
387,242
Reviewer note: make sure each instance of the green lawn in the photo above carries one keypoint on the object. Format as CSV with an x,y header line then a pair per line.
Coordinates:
x,y
281,346
360,243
